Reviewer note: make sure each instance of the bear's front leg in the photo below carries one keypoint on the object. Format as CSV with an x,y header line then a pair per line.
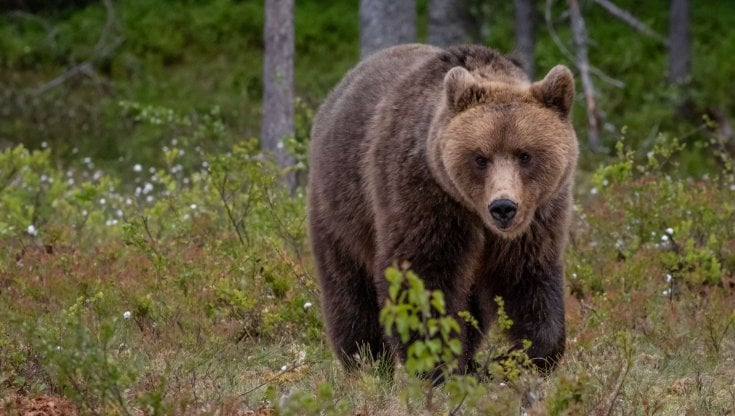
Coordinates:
x,y
437,251
534,301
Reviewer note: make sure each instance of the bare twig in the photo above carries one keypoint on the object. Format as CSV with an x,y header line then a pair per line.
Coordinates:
x,y
228,210
579,32
619,387
628,18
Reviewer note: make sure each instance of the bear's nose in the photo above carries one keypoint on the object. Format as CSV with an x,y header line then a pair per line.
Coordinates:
x,y
503,210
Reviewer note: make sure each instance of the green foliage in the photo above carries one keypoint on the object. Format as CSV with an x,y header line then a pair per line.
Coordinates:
x,y
417,314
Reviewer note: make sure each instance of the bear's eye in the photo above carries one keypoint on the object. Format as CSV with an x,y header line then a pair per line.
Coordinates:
x,y
481,161
524,158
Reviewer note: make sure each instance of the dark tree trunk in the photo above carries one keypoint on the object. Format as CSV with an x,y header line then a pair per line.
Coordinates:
x,y
449,22
278,112
680,56
525,34
385,23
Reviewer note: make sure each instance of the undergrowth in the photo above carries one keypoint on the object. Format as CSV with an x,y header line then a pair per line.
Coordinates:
x,y
190,290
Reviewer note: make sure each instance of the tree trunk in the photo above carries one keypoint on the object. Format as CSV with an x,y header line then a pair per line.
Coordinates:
x,y
385,23
278,111
525,34
449,22
579,34
680,57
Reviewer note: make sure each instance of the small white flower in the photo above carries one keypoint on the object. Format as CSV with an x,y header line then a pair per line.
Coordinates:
x,y
279,145
127,315
193,206
119,213
44,144
84,213
605,182
70,181
670,231
664,238
128,201
732,187
148,187
137,168
58,348
284,367
593,191
307,305
574,275
103,201
32,230
149,198
666,292
668,277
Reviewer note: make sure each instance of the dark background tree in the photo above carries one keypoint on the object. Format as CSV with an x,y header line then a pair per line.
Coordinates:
x,y
524,34
385,23
680,58
278,101
449,22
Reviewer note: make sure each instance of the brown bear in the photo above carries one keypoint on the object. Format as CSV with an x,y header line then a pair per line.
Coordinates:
x,y
452,160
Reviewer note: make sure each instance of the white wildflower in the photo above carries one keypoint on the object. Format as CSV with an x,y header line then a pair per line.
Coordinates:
x,y
32,230
127,315
193,206
307,305
147,187
137,168
593,191
664,238
670,231
668,277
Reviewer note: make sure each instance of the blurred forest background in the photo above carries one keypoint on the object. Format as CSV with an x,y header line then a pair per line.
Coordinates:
x,y
65,66
154,261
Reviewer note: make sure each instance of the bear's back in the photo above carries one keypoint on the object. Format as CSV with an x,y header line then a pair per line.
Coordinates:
x,y
338,135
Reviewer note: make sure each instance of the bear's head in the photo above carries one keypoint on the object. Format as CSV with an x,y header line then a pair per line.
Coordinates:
x,y
505,148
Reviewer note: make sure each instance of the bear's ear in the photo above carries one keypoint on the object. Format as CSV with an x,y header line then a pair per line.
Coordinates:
x,y
556,90
462,89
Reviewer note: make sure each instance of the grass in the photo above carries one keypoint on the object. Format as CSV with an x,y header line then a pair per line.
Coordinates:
x,y
197,295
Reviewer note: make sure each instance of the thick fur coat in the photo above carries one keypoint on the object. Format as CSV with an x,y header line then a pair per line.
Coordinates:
x,y
453,161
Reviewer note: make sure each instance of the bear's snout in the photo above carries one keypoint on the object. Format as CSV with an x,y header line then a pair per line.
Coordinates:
x,y
503,211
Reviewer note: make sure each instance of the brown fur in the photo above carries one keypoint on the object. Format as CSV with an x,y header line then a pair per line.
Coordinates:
x,y
397,174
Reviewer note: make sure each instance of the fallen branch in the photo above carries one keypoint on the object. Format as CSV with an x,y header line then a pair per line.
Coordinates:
x,y
102,49
628,18
555,37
